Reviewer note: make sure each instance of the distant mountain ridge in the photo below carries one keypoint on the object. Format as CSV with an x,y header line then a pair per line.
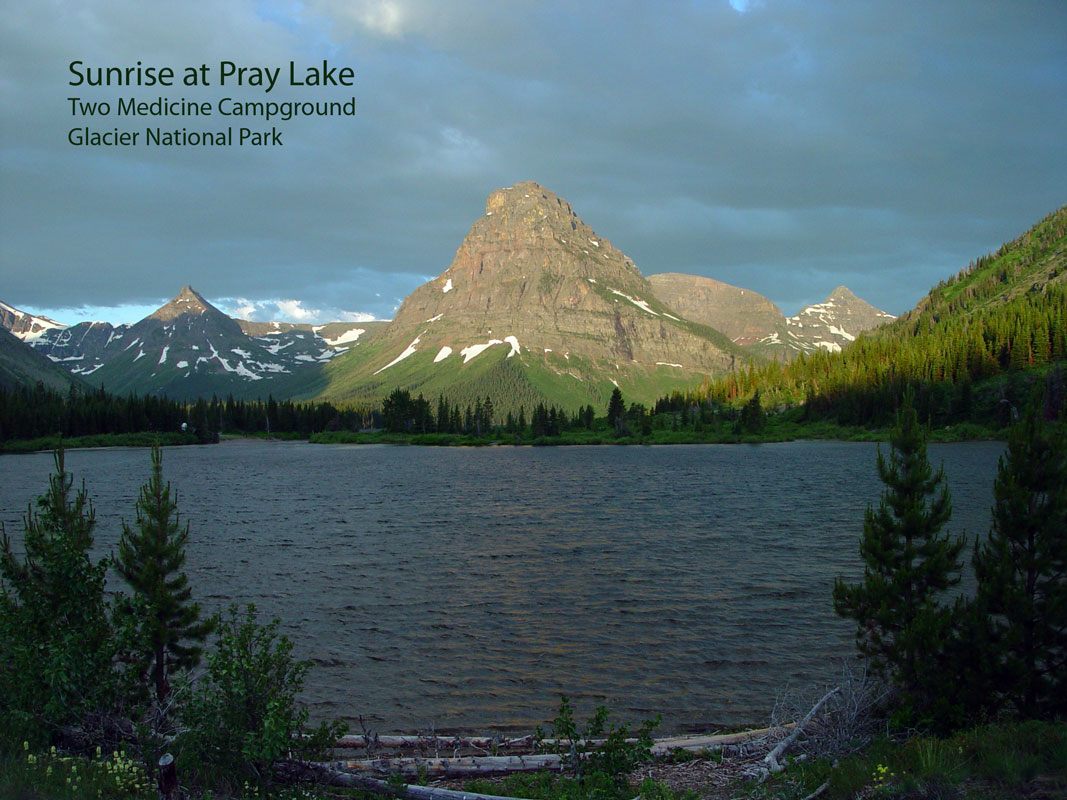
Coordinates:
x,y
188,348
536,306
751,320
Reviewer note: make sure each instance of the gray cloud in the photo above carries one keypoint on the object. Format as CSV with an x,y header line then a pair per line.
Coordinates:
x,y
787,148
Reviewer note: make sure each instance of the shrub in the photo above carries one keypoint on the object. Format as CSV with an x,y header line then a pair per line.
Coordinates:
x,y
243,715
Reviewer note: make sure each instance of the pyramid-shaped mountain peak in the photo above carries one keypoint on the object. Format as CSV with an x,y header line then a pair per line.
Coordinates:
x,y
842,293
529,251
187,301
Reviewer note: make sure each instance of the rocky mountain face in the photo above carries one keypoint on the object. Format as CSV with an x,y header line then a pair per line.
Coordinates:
x,y
188,348
26,327
545,304
832,324
751,320
743,315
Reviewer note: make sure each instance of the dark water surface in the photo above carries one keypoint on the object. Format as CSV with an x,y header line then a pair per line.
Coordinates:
x,y
466,589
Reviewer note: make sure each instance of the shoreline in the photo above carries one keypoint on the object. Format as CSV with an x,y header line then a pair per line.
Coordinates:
x,y
965,432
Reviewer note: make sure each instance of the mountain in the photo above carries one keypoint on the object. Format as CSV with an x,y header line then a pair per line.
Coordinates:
x,y
743,315
26,327
981,345
188,348
536,306
831,324
20,364
750,319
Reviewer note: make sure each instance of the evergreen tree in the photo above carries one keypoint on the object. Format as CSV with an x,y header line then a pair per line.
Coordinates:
x,y
1022,569
150,560
56,662
753,418
616,410
908,562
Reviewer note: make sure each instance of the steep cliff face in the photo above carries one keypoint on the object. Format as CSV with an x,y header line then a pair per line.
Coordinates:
x,y
743,315
532,269
533,281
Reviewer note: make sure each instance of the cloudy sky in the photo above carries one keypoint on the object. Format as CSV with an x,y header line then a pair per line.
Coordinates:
x,y
786,146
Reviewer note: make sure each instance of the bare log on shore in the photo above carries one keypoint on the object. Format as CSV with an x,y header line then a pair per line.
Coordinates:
x,y
480,766
462,767
374,741
526,744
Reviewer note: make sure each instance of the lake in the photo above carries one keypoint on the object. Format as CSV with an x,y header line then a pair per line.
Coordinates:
x,y
466,589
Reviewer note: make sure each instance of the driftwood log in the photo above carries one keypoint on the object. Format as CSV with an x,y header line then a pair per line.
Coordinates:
x,y
373,741
481,766
461,767
527,744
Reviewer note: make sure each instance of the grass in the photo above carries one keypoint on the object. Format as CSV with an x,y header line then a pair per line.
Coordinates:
x,y
98,440
1001,761
996,761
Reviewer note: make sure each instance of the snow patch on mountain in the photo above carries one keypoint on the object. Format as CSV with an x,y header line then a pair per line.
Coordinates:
x,y
409,350
641,304
346,337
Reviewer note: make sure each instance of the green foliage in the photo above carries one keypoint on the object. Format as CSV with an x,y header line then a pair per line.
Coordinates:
x,y
32,774
56,662
1003,317
616,410
753,418
243,715
1022,570
908,563
598,756
150,560
994,762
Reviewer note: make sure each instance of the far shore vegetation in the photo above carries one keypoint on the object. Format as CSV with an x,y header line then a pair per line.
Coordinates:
x,y
37,418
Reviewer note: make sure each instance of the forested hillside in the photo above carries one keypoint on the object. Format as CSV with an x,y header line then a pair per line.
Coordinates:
x,y
982,343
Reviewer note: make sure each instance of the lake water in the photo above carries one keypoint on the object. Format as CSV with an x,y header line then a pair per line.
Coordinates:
x,y
465,589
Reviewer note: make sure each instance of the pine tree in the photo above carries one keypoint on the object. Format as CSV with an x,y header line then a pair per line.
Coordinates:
x,y
616,410
150,560
908,562
1022,569
56,660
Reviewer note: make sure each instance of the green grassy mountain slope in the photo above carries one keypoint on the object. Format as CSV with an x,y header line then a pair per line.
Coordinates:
x,y
1000,318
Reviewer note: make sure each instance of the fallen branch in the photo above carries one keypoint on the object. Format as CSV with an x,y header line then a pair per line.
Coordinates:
x,y
787,742
819,791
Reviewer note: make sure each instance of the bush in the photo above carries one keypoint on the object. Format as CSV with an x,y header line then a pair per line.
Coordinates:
x,y
243,715
599,756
